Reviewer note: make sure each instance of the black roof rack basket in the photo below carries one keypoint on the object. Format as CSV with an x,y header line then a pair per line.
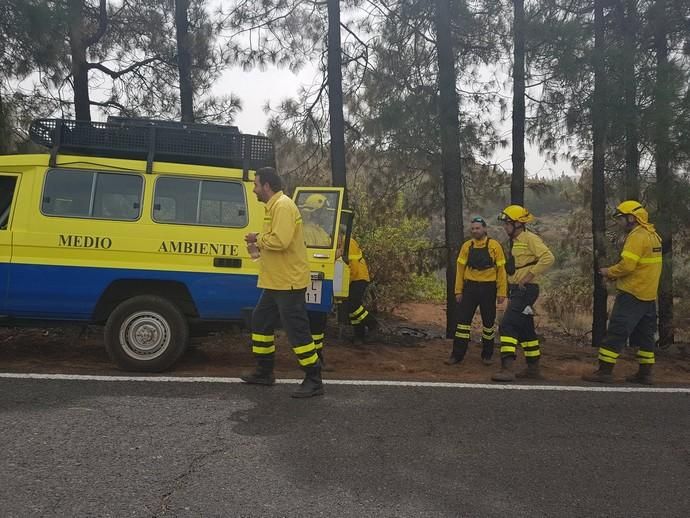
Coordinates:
x,y
153,140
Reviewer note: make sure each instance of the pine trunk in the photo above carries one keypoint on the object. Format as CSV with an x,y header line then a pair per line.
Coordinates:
x,y
599,126
184,60
79,67
335,96
627,12
517,181
664,175
450,153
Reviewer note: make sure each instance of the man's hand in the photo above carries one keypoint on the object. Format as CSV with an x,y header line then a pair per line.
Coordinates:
x,y
526,280
251,237
604,272
500,300
458,298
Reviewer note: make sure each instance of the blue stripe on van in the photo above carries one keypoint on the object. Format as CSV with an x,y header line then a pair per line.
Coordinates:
x,y
4,276
71,292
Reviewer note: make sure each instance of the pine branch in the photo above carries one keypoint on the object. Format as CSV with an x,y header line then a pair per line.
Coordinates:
x,y
117,74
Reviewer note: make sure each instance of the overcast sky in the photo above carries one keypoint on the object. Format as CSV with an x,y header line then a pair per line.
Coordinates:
x,y
256,87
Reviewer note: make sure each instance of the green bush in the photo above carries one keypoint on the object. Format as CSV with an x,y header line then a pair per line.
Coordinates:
x,y
398,252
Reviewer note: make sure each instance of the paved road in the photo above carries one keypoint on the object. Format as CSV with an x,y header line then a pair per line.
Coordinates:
x,y
77,448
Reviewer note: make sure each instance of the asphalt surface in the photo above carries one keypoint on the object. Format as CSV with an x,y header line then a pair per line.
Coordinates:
x,y
89,448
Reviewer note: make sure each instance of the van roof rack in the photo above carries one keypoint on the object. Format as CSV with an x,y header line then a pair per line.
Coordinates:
x,y
155,140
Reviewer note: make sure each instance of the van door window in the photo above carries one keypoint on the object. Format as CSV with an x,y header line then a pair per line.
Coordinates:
x,y
7,187
319,215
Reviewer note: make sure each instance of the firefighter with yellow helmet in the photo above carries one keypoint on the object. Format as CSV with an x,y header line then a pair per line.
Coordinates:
x,y
528,257
315,236
637,277
312,215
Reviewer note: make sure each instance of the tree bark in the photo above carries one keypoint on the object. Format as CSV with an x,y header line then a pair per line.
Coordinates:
x,y
599,130
4,128
664,174
517,181
335,96
450,153
184,60
627,12
79,66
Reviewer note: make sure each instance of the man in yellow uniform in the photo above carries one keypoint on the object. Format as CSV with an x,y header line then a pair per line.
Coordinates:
x,y
316,237
637,277
284,276
528,257
480,281
360,318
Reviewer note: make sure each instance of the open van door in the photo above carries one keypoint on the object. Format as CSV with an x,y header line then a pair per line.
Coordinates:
x,y
9,184
321,209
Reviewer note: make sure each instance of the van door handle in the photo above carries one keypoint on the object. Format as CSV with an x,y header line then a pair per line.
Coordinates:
x,y
226,262
321,256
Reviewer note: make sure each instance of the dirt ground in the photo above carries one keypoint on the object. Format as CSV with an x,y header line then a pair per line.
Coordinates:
x,y
410,346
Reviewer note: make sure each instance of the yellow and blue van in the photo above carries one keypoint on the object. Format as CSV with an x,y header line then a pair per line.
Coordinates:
x,y
139,226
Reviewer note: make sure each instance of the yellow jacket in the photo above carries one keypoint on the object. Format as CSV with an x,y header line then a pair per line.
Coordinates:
x,y
315,236
639,270
284,263
496,274
529,248
358,266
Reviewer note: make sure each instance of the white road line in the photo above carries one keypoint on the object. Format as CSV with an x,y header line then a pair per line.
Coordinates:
x,y
371,383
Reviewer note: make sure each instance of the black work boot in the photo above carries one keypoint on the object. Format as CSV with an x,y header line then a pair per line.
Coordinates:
x,y
530,372
604,374
360,335
312,385
457,355
263,375
371,322
322,360
643,376
487,353
506,373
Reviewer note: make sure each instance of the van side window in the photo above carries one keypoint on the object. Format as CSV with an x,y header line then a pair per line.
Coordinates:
x,y
7,186
68,193
117,196
215,203
91,194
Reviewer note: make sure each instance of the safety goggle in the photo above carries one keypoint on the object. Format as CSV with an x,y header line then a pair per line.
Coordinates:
x,y
478,219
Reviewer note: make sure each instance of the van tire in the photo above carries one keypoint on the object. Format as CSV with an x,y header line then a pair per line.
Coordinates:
x,y
146,334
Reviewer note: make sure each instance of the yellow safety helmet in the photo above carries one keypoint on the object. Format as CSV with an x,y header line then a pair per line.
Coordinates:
x,y
515,213
314,202
629,207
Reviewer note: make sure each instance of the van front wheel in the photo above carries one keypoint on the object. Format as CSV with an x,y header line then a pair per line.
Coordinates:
x,y
146,334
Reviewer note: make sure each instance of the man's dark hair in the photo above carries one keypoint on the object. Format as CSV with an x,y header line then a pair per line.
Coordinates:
x,y
268,175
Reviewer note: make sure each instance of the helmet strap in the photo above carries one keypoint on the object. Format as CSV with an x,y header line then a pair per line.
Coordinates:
x,y
630,222
514,226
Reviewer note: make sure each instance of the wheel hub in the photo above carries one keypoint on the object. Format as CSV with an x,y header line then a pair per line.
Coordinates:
x,y
145,335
